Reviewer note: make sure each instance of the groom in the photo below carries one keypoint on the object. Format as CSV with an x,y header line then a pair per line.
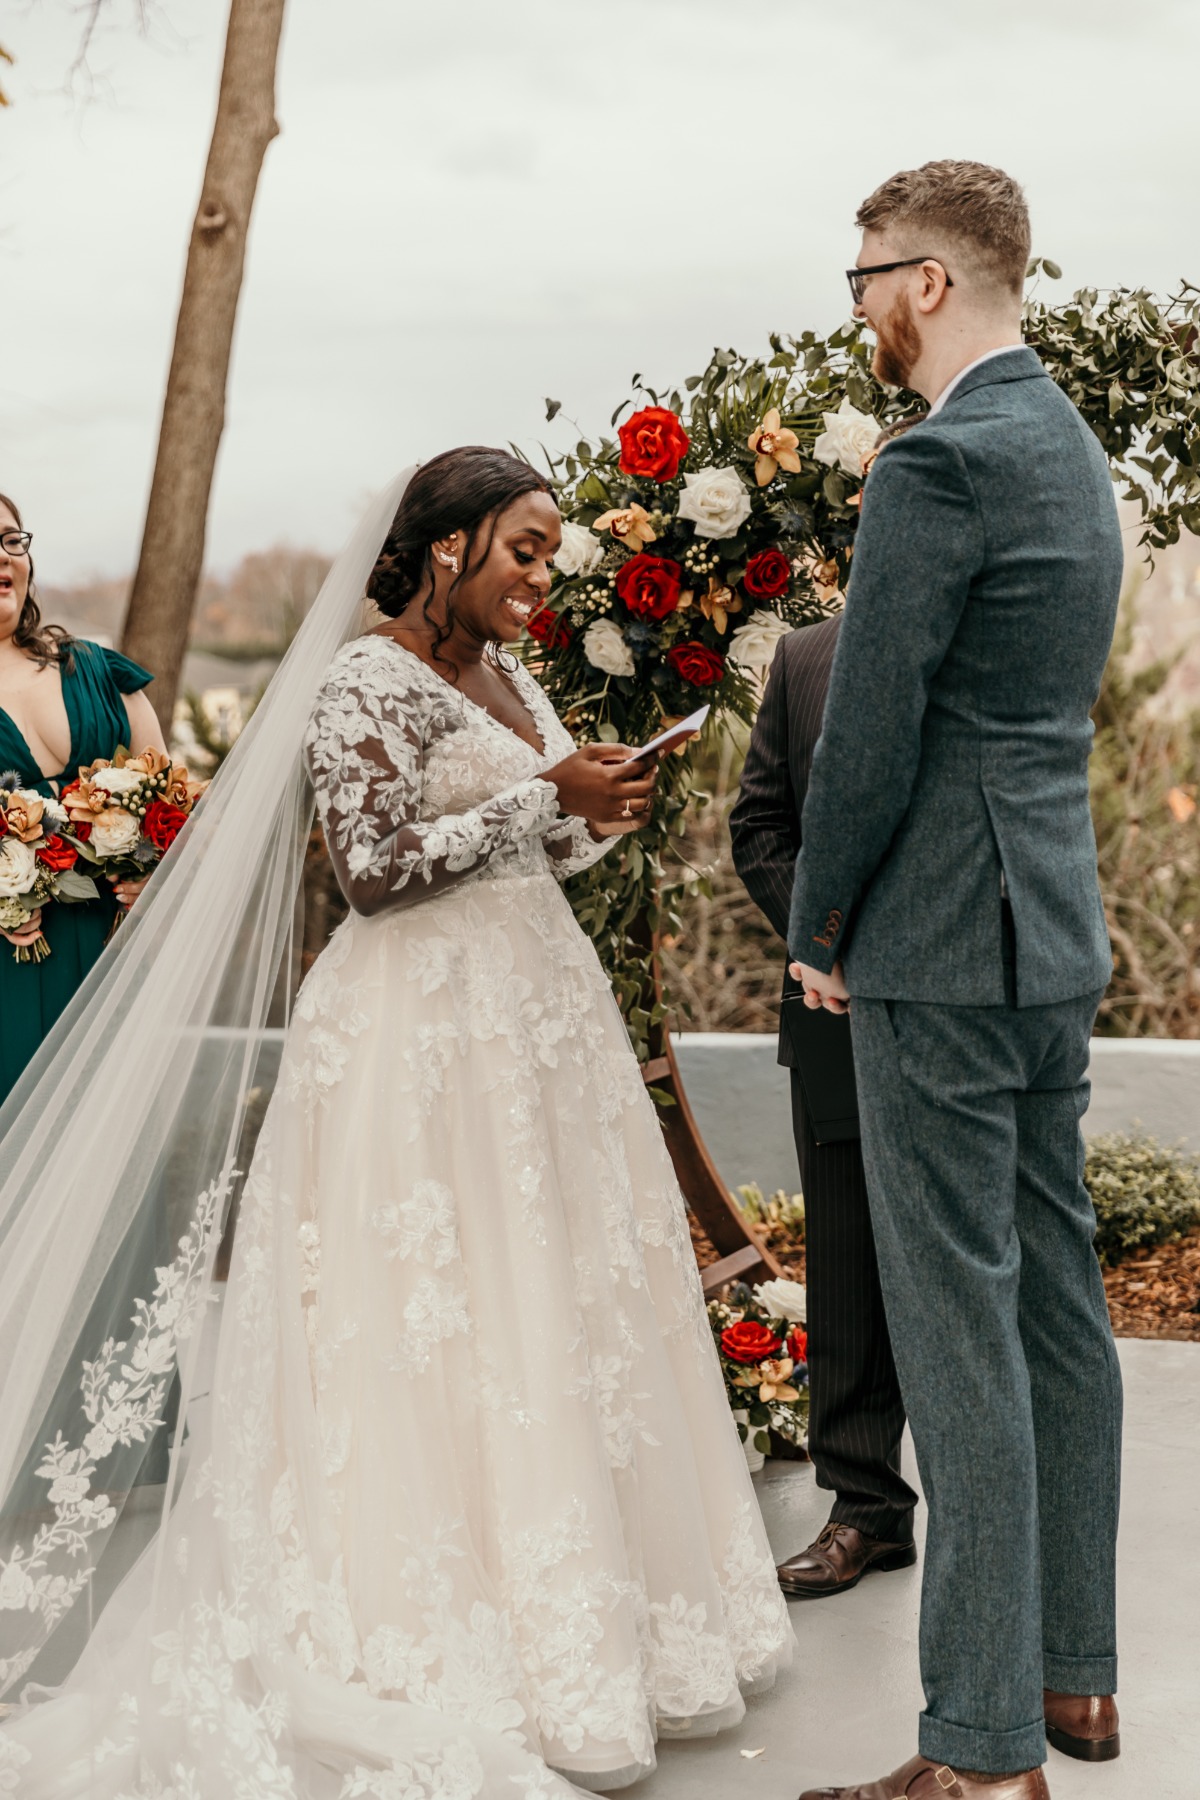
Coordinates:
x,y
947,887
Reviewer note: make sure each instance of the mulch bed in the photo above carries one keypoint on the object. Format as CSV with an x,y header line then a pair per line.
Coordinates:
x,y
1154,1293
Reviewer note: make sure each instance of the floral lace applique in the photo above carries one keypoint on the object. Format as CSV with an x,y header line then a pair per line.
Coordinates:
x,y
755,1610
423,1226
452,1773
558,1619
436,1310
122,1394
374,723
692,1668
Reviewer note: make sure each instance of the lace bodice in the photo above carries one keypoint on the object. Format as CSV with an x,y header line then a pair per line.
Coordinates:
x,y
419,788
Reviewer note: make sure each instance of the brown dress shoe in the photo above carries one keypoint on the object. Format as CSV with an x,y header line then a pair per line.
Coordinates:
x,y
838,1560
1085,1726
921,1779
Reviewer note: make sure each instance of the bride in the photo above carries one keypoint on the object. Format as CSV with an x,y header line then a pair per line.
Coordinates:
x,y
459,1504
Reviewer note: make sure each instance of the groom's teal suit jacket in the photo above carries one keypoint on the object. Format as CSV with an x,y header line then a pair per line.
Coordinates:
x,y
979,616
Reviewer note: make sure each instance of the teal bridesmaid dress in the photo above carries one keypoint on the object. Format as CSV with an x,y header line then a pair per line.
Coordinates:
x,y
32,995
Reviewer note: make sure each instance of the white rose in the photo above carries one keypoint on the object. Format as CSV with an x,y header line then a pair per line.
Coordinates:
x,y
18,867
114,832
846,439
716,499
605,647
54,813
783,1300
579,551
117,781
753,644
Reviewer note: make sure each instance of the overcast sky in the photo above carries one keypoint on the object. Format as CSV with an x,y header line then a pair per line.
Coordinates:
x,y
473,205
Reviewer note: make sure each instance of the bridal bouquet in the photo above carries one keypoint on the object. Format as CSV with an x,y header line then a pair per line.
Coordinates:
x,y
763,1350
124,815
37,864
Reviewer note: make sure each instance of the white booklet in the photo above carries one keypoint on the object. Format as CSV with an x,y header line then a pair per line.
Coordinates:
x,y
674,734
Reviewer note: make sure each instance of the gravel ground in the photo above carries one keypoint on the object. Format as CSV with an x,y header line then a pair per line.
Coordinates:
x,y
1154,1293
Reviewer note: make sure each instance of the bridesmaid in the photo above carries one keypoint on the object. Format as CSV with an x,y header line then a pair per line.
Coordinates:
x,y
63,702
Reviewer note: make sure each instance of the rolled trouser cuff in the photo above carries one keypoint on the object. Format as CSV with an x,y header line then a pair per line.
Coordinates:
x,y
1079,1674
991,1752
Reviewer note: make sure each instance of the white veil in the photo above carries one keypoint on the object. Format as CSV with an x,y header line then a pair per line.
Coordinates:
x,y
120,1151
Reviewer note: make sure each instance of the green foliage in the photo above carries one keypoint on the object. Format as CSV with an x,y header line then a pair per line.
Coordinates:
x,y
1145,776
1128,360
1143,1194
783,1211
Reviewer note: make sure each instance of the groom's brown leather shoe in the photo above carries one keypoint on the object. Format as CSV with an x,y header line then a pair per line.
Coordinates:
x,y
838,1560
921,1779
1085,1726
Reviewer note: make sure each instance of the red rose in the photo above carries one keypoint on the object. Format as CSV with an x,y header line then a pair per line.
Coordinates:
x,y
701,667
3,824
549,628
650,585
57,854
768,575
748,1342
797,1344
653,443
162,823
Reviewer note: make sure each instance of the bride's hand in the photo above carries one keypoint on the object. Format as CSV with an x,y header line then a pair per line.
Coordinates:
x,y
605,784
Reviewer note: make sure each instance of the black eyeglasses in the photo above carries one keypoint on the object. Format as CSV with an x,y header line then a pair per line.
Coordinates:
x,y
15,543
858,277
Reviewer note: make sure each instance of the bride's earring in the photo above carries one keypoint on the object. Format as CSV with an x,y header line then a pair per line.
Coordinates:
x,y
451,562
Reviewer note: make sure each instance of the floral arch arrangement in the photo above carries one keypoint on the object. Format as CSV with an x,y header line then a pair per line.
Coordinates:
x,y
723,515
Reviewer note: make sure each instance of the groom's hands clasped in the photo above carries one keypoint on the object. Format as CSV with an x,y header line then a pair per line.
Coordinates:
x,y
820,989
606,784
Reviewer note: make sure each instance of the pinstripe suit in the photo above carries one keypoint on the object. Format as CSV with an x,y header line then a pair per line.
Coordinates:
x,y
856,1416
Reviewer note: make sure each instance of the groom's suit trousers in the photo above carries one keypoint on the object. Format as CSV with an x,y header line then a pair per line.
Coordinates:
x,y
994,1297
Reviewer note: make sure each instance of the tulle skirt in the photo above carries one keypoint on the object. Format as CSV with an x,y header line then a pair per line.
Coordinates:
x,y
466,1505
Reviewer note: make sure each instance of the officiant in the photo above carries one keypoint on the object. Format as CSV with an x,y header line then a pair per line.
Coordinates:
x,y
856,1415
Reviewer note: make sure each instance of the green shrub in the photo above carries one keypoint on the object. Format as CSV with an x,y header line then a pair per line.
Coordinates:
x,y
1143,1193
782,1212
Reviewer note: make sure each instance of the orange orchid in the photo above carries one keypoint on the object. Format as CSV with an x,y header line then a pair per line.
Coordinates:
x,y
775,1384
719,602
774,448
629,525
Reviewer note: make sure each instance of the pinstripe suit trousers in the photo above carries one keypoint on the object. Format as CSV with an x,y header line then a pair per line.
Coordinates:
x,y
856,1413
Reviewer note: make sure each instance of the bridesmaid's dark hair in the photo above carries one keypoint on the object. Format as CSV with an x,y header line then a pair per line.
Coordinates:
x,y
460,490
45,643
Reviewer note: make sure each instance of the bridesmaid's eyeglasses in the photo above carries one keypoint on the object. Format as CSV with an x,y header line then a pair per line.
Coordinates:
x,y
15,543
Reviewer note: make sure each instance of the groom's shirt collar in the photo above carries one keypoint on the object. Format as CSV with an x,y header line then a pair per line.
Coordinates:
x,y
1004,350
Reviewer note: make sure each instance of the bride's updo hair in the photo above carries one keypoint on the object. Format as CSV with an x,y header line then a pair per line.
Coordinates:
x,y
460,490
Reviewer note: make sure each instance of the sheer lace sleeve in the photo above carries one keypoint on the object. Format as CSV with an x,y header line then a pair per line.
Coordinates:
x,y
571,847
568,844
365,750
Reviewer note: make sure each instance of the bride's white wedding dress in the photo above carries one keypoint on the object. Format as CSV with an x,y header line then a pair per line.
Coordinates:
x,y
471,1502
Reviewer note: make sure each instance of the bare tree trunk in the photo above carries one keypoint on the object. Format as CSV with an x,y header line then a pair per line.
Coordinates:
x,y
172,555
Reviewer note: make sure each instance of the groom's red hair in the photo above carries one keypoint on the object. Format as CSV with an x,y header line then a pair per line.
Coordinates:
x,y
964,208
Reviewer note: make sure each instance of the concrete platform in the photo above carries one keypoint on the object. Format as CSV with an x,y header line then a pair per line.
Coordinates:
x,y
847,1709
740,1097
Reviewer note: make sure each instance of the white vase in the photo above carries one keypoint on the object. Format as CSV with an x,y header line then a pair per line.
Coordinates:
x,y
754,1458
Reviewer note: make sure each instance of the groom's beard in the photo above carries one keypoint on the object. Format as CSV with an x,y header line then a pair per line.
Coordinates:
x,y
897,345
